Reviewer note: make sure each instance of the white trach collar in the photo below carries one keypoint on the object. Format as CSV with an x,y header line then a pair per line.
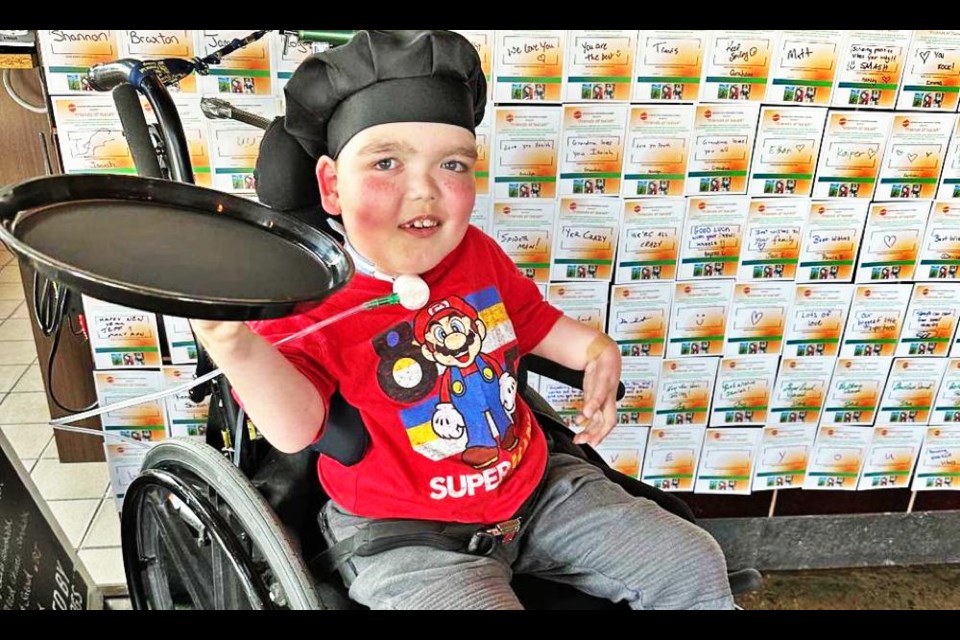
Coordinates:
x,y
363,265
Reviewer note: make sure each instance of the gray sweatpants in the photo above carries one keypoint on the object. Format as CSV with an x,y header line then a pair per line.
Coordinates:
x,y
585,531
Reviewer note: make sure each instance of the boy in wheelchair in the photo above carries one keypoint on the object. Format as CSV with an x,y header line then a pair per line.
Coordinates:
x,y
457,469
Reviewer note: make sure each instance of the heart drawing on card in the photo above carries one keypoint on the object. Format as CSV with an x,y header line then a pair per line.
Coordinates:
x,y
924,55
911,157
756,316
890,240
871,153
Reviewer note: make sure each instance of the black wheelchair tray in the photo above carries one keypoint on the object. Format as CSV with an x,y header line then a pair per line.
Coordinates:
x,y
170,247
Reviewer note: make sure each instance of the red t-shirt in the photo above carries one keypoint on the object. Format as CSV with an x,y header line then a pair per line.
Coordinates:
x,y
449,441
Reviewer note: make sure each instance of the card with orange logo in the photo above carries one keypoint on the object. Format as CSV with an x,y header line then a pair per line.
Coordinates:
x,y
148,419
591,157
712,237
871,66
804,67
817,319
877,315
722,143
669,65
624,447
599,65
737,65
911,390
931,320
698,319
235,146
914,158
891,242
837,458
91,135
650,232
855,390
684,392
940,252
946,407
890,459
658,145
830,240
772,239
727,459
524,230
184,416
741,396
782,456
585,302
247,71
526,151
938,465
670,463
529,66
586,239
931,78
639,317
640,377
853,146
785,158
758,318
800,391
121,337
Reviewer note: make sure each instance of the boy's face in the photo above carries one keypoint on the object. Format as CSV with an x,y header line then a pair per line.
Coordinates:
x,y
406,191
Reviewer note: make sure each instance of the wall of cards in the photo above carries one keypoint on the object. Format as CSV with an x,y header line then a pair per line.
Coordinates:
x,y
767,224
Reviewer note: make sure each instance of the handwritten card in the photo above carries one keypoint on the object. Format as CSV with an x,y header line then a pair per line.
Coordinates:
x,y
68,54
121,337
90,135
155,44
639,317
915,152
800,391
758,318
946,407
788,143
938,465
855,390
727,459
891,242
712,237
877,314
911,390
831,239
529,66
891,457
650,233
722,142
658,145
599,65
931,79
586,239
940,253
525,155
853,145
246,71
684,392
180,342
669,65
870,68
931,320
593,147
147,420
234,146
742,393
524,230
804,67
623,449
782,456
838,455
771,245
738,65
640,377
817,319
698,319
184,416
567,401
585,302
672,455
949,187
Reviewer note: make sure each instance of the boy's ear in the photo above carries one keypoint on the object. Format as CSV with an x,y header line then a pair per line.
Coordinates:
x,y
327,181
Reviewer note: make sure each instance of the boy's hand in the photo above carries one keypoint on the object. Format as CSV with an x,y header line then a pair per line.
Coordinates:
x,y
601,377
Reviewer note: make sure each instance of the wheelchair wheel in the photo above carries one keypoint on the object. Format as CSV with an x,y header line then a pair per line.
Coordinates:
x,y
197,535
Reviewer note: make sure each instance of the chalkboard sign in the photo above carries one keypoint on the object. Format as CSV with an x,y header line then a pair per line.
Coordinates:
x,y
38,566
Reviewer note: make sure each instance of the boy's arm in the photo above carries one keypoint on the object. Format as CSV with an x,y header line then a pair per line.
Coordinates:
x,y
577,346
281,401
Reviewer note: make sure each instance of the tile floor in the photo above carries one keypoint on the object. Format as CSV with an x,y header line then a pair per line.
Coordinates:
x,y
77,493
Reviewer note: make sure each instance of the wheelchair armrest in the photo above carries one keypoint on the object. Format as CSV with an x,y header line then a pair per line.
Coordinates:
x,y
560,373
